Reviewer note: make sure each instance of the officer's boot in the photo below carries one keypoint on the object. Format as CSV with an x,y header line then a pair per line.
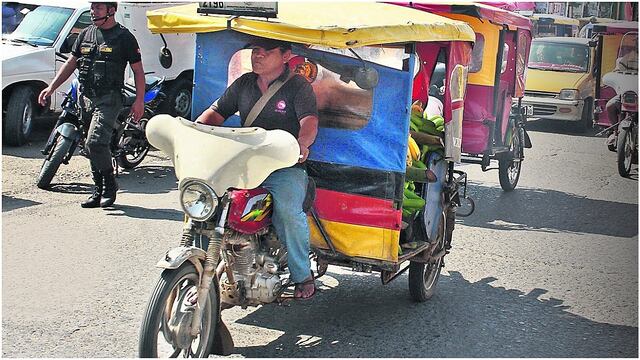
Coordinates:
x,y
110,189
94,200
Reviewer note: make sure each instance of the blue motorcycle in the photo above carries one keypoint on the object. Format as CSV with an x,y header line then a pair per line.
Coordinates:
x,y
129,144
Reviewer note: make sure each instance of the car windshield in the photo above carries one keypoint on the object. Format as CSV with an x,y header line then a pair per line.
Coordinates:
x,y
559,57
42,25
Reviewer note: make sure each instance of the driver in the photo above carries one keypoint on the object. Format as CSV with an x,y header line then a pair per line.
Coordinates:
x,y
624,63
101,54
293,109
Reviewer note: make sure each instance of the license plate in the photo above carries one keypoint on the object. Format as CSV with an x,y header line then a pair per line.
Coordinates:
x,y
528,110
247,8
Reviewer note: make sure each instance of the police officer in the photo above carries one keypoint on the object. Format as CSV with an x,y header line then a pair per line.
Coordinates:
x,y
101,54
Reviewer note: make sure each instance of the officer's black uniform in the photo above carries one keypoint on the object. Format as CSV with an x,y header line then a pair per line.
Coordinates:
x,y
102,58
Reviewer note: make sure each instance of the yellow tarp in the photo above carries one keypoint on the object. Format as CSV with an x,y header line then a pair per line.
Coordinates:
x,y
331,24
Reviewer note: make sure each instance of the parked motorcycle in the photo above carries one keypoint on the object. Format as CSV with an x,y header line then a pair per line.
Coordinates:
x,y
129,144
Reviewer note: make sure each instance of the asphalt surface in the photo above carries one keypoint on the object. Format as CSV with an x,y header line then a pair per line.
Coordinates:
x,y
548,270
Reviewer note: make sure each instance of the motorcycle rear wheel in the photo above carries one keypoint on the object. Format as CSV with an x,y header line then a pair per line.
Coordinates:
x,y
510,166
51,164
133,158
165,302
423,278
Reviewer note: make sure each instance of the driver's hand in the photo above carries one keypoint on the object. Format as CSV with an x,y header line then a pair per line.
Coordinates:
x,y
137,110
44,95
304,154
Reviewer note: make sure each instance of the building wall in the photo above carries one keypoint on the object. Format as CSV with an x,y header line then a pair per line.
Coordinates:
x,y
614,10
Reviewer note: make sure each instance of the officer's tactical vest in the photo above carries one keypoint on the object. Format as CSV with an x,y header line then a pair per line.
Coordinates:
x,y
101,65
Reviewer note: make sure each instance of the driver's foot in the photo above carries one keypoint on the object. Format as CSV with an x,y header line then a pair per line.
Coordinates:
x,y
306,289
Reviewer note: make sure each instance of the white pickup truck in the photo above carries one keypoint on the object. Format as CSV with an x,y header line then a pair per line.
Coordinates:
x,y
34,52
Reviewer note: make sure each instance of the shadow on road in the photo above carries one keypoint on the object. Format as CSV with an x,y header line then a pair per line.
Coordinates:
x,y
144,213
148,179
561,127
361,318
11,203
550,211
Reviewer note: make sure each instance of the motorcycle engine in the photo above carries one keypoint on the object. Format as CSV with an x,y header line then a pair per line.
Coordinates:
x,y
255,266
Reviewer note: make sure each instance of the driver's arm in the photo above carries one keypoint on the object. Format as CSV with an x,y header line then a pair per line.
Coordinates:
x,y
210,117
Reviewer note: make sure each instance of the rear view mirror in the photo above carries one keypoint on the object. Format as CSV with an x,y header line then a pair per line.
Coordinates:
x,y
165,57
67,45
366,78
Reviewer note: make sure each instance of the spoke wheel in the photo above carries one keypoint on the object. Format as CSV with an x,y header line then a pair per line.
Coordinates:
x,y
166,325
134,147
510,166
626,148
423,278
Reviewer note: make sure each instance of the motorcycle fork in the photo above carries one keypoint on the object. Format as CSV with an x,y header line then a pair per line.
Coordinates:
x,y
209,267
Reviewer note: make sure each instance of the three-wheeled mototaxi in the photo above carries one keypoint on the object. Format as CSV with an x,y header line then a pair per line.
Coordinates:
x,y
382,199
494,118
608,37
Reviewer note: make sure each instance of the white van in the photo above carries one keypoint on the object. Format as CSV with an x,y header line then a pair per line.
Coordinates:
x,y
40,45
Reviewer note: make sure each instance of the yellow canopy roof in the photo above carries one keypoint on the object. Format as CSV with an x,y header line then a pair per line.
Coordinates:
x,y
332,24
557,19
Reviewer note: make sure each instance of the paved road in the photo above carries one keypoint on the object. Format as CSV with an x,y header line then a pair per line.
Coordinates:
x,y
549,270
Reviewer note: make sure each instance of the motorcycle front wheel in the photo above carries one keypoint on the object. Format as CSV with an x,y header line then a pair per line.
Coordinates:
x,y
625,152
167,321
51,164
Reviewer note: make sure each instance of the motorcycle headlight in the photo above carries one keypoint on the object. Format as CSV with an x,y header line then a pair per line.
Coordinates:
x,y
568,94
629,98
198,200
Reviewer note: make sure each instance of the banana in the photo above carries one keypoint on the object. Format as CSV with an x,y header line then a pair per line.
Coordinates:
x,y
414,149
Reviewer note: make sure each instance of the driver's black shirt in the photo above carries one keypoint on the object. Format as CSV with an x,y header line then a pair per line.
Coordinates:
x,y
292,102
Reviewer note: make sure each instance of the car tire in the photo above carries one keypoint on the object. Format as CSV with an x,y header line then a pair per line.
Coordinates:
x,y
21,109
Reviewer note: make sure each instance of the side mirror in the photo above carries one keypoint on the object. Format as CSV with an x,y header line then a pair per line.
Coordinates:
x,y
593,43
67,45
366,78
165,57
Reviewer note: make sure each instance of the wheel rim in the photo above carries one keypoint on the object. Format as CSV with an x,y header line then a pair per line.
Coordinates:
x,y
183,103
27,115
514,165
628,151
179,302
431,269
135,154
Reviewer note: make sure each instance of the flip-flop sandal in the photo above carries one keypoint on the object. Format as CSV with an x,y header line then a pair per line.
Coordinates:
x,y
306,282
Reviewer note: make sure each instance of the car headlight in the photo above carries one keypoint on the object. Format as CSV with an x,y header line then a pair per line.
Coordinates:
x,y
568,94
198,200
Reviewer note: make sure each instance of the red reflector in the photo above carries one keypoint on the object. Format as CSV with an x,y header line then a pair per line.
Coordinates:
x,y
565,110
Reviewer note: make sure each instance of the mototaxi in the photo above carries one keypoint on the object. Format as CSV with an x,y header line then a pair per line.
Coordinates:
x,y
362,60
494,117
607,38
